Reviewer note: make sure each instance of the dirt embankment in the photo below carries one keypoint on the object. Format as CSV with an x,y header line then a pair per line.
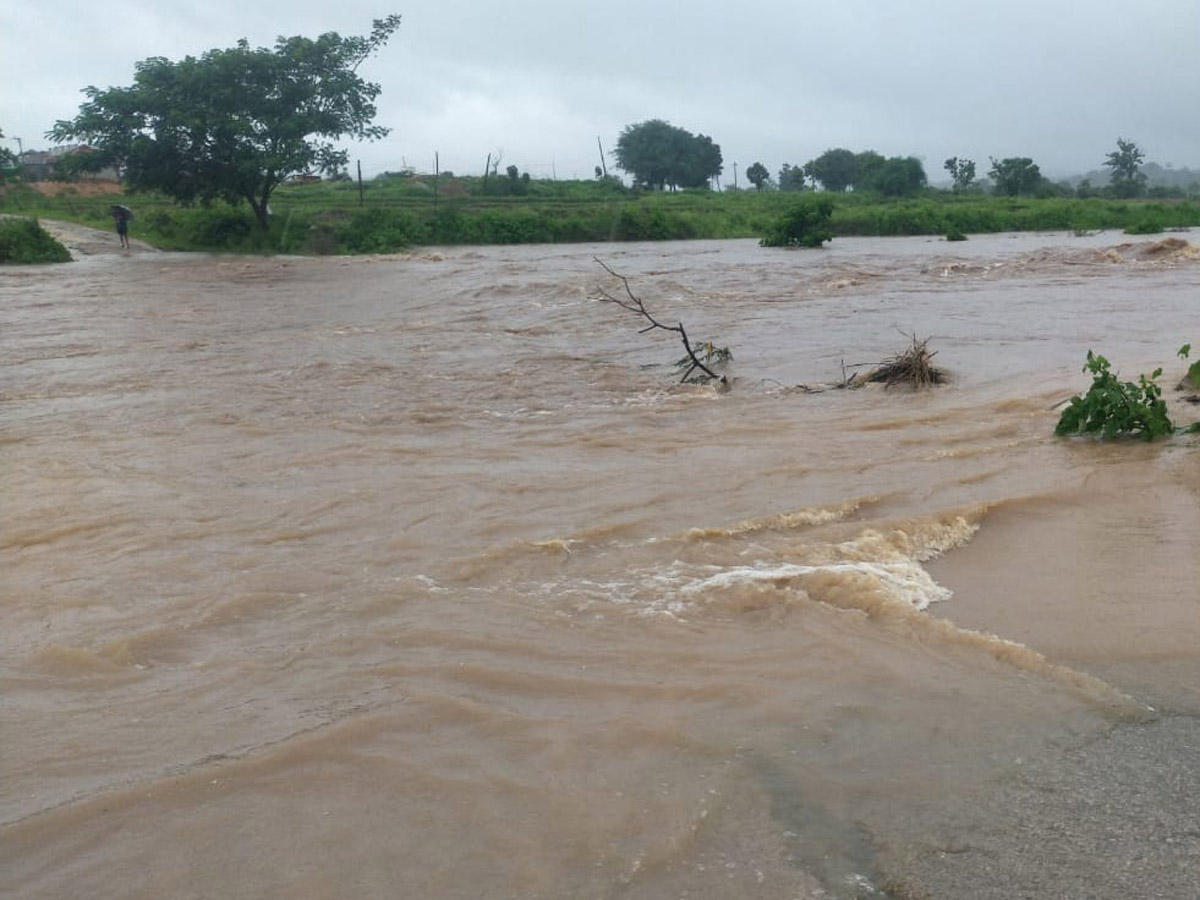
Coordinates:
x,y
82,188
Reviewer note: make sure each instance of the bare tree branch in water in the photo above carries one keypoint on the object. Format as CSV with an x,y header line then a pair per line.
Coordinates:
x,y
633,303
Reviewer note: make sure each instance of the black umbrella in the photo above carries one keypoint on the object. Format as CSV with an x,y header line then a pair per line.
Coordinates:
x,y
118,209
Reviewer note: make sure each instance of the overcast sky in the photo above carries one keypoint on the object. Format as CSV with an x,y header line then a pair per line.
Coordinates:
x,y
772,80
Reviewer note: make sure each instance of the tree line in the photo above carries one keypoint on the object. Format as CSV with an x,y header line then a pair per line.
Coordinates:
x,y
839,170
661,156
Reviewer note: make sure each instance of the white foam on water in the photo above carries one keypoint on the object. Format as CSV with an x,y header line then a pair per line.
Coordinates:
x,y
903,582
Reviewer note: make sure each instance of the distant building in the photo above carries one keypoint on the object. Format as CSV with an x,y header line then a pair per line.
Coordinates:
x,y
38,165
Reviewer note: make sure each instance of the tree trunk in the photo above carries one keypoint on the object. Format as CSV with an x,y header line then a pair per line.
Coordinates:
x,y
261,213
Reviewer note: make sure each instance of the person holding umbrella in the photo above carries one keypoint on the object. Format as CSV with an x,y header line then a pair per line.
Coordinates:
x,y
122,214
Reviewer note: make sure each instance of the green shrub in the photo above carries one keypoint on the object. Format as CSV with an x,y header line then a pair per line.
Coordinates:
x,y
1112,408
1144,226
1193,373
652,223
381,230
806,224
159,221
25,241
450,226
224,230
516,226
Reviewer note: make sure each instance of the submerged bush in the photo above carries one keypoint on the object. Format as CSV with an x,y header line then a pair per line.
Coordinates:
x,y
806,224
1113,408
25,241
1144,226
1192,378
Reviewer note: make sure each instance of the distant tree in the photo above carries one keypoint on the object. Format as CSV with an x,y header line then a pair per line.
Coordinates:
x,y
1124,165
700,162
517,183
1015,176
867,166
962,171
791,178
1166,192
835,169
758,176
7,157
1047,189
659,155
234,124
899,176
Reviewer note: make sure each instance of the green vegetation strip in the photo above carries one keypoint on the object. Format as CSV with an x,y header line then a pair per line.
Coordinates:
x,y
394,213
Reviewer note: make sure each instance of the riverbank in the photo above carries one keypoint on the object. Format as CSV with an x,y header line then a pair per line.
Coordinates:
x,y
1109,818
393,214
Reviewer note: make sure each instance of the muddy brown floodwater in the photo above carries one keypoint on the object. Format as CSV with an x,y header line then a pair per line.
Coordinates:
x,y
420,577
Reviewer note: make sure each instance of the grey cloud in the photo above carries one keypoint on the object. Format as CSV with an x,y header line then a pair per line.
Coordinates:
x,y
774,81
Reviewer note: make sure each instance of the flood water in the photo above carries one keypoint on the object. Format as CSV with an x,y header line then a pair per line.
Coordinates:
x,y
421,577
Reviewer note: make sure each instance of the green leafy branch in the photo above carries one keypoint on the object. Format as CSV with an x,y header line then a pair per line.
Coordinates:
x,y
1113,408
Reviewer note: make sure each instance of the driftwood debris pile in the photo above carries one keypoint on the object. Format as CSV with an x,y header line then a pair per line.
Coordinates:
x,y
913,367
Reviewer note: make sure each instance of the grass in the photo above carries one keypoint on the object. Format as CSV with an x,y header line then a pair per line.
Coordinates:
x,y
396,212
23,240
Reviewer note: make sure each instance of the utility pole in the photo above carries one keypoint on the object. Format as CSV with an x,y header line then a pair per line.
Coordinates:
x,y
735,176
603,164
